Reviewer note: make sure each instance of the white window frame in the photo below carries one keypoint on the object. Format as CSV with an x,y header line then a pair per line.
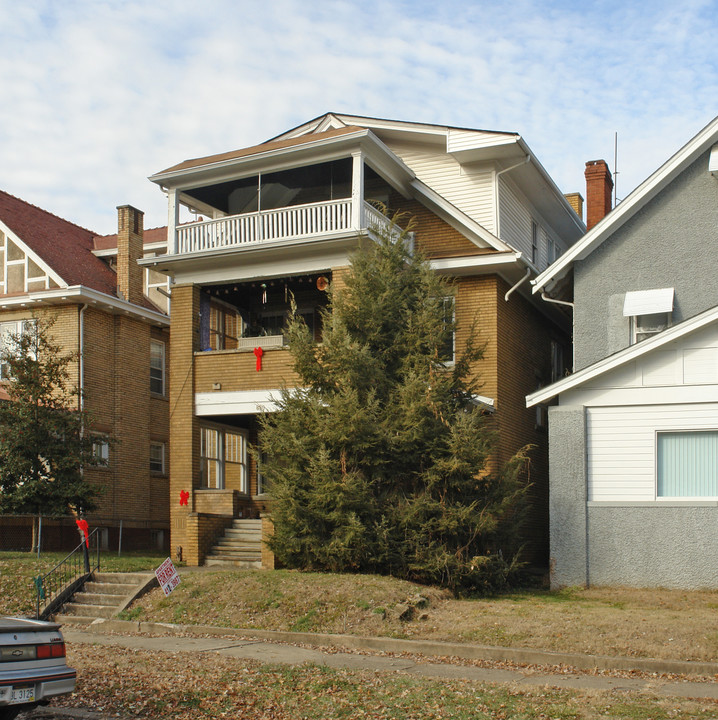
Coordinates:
x,y
231,448
100,451
650,312
648,325
450,299
8,328
158,369
678,498
157,461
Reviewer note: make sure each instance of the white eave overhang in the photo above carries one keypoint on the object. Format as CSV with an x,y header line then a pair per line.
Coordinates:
x,y
625,210
473,264
241,402
82,294
376,154
622,357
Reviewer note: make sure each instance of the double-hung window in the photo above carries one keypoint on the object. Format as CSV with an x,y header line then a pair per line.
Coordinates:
x,y
649,312
157,457
223,459
687,464
157,367
8,330
224,326
100,451
448,349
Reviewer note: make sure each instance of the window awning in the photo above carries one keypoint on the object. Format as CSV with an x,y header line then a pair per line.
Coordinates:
x,y
648,302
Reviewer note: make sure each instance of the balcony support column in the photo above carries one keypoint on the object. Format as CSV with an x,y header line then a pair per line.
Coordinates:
x,y
172,220
357,189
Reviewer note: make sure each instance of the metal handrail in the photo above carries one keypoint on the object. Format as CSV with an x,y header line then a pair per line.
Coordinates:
x,y
68,576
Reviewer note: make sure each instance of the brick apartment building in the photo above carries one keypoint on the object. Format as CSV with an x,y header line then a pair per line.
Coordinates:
x,y
282,219
96,293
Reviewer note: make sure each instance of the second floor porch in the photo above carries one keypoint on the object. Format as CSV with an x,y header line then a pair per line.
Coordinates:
x,y
299,222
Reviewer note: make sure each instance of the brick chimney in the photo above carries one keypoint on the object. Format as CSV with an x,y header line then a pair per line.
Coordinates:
x,y
130,285
575,200
599,186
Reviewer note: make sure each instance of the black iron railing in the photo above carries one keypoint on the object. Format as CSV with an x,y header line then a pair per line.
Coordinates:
x,y
67,577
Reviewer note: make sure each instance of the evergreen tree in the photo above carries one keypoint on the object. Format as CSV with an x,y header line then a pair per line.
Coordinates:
x,y
43,443
380,461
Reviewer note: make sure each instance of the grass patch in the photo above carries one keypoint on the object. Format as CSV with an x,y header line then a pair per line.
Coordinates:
x,y
17,569
135,683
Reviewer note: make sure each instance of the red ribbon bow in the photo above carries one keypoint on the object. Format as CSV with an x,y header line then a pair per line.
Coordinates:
x,y
82,525
258,352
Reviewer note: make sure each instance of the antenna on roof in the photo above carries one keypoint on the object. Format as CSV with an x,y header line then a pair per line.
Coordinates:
x,y
615,168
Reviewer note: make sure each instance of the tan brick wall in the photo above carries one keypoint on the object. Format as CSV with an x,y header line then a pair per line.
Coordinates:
x,y
236,371
117,398
435,237
184,427
200,532
524,358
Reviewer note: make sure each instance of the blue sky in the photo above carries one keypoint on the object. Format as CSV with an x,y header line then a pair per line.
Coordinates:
x,y
97,95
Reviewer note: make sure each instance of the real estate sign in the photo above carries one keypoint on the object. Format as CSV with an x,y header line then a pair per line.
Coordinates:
x,y
167,576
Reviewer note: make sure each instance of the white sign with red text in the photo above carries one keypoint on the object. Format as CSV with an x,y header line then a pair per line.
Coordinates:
x,y
167,576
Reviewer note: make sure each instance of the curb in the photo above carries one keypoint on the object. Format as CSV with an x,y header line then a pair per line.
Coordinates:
x,y
463,651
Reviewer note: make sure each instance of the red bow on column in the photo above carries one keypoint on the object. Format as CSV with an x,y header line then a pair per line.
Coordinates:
x,y
258,352
83,526
184,497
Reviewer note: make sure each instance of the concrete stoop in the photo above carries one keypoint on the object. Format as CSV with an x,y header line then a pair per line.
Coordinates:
x,y
106,595
239,547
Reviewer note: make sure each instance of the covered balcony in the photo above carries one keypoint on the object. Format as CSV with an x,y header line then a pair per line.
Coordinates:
x,y
324,200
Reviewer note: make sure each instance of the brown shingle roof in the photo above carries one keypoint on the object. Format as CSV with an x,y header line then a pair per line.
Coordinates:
x,y
264,147
64,246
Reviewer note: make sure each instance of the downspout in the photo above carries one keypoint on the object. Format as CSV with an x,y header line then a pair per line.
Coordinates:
x,y
81,381
548,299
527,159
523,279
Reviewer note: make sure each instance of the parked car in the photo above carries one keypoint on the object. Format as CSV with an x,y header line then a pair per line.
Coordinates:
x,y
32,665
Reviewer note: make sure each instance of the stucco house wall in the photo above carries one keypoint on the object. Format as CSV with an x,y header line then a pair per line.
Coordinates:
x,y
668,243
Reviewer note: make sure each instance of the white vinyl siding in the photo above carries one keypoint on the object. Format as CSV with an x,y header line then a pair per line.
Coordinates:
x,y
515,220
469,188
621,446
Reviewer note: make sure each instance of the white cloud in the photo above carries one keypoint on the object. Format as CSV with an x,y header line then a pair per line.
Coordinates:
x,y
99,95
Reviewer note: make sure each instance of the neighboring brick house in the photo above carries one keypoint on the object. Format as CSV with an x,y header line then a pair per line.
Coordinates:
x,y
283,218
634,436
94,289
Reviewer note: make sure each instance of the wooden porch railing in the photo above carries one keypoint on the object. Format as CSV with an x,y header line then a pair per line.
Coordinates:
x,y
298,221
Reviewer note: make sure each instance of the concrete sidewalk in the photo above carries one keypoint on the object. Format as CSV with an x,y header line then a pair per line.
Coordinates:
x,y
275,647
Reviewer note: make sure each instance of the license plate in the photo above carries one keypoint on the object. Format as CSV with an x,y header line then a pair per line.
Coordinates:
x,y
22,695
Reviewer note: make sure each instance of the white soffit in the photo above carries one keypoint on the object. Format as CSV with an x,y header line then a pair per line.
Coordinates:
x,y
648,302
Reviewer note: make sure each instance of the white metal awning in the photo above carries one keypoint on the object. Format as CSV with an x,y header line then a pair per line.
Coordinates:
x,y
648,302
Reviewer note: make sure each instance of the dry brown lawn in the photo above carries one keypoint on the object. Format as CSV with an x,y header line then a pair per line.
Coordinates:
x,y
669,624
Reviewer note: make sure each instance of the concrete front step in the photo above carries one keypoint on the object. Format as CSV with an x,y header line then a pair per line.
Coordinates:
x,y
90,598
252,535
97,611
242,523
211,561
240,554
105,596
123,578
109,588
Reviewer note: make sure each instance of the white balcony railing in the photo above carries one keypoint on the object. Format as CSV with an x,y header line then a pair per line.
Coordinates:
x,y
298,221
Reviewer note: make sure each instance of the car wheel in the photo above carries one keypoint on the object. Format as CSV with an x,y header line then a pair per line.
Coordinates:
x,y
9,713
